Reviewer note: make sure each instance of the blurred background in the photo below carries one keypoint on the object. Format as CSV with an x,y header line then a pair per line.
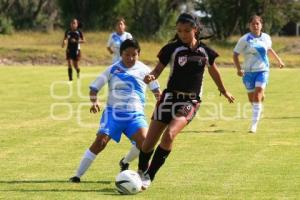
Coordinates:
x,y
149,18
31,31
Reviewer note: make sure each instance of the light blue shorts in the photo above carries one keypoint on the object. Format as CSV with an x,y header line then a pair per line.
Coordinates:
x,y
114,123
255,79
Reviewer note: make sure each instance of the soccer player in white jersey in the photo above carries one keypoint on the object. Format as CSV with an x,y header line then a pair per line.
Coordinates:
x,y
124,112
113,46
255,47
116,38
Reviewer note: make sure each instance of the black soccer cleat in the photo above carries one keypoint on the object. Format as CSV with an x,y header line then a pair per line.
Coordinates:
x,y
123,166
74,179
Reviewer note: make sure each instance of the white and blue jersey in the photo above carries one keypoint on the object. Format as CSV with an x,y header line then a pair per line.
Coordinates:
x,y
255,51
124,110
114,42
256,63
126,86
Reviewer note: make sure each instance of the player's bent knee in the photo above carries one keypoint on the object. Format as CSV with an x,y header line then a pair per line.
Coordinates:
x,y
169,136
139,138
257,97
147,147
99,144
139,142
102,144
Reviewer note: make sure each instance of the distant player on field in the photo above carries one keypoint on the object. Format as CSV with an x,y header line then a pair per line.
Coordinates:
x,y
188,57
124,112
255,47
73,37
116,38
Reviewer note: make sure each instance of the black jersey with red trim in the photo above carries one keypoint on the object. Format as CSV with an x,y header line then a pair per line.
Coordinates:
x,y
77,34
187,65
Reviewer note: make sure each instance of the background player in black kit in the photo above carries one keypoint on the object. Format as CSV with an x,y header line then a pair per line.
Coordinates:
x,y
179,102
73,37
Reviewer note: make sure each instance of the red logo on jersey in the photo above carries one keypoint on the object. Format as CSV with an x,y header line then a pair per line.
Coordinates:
x,y
182,60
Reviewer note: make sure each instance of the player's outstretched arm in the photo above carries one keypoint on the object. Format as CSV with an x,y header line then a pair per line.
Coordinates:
x,y
278,59
64,42
237,64
155,73
82,40
93,98
156,93
216,76
109,49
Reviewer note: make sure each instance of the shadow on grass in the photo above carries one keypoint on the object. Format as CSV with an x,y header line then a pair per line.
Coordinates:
x,y
283,117
105,191
51,181
109,191
213,131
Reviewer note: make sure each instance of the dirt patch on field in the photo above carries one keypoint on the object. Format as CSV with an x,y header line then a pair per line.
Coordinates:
x,y
293,48
46,61
30,61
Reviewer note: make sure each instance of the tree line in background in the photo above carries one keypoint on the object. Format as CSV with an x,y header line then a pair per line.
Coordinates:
x,y
146,18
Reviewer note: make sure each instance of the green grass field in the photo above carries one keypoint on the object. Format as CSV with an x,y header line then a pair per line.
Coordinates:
x,y
35,48
45,127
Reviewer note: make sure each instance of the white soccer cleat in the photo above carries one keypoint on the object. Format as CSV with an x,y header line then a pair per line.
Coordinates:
x,y
146,181
253,128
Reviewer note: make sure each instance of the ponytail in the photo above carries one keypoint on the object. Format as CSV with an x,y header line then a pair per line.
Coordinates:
x,y
79,24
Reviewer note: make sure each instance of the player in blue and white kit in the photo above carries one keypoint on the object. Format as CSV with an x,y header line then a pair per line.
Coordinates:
x,y
116,38
255,47
124,112
113,46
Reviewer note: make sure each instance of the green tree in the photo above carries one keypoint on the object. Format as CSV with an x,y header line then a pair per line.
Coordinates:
x,y
93,14
292,10
150,18
221,15
231,16
29,14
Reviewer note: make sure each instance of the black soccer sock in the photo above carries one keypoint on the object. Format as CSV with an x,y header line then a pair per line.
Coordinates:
x,y
144,160
70,72
158,160
78,72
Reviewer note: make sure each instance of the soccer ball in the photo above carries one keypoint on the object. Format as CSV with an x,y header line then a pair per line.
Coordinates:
x,y
128,182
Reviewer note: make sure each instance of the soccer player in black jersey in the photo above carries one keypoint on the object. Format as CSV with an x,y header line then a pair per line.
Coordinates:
x,y
187,57
73,37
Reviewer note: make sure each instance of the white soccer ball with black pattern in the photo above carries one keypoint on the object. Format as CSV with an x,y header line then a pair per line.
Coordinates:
x,y
128,182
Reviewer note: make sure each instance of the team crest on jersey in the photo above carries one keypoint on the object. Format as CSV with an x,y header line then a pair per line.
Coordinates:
x,y
182,60
118,70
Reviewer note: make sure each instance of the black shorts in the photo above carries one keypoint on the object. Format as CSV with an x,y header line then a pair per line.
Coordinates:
x,y
172,105
73,54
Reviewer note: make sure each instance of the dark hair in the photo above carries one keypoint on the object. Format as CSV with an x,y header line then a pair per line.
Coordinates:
x,y
79,24
120,19
187,18
130,43
253,17
194,22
